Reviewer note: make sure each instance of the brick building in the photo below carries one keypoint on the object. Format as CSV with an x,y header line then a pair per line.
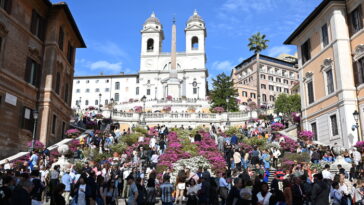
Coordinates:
x,y
37,52
331,66
276,76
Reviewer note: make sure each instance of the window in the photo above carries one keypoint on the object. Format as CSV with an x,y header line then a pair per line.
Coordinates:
x,y
278,80
137,80
194,90
116,97
58,82
356,20
77,90
87,90
306,51
37,25
264,98
262,76
32,72
78,82
279,89
87,81
66,93
97,90
106,81
270,78
271,87
329,81
285,82
137,90
148,91
252,95
107,89
106,102
86,102
194,43
150,45
96,81
286,90
310,93
271,98
360,71
63,129
314,130
54,124
60,38
70,53
6,5
117,85
96,102
27,119
263,86
334,128
325,35
245,94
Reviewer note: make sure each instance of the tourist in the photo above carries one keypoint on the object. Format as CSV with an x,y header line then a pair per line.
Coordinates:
x,y
151,192
233,197
287,192
326,174
110,193
67,181
192,191
180,186
21,194
54,178
237,159
197,137
38,187
204,193
79,196
264,195
166,191
336,195
223,188
58,192
133,191
320,191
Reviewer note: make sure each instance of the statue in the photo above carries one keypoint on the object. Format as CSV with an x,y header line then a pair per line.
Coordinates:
x,y
63,161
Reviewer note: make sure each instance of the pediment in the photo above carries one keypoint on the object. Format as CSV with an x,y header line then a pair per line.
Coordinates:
x,y
359,52
194,27
150,30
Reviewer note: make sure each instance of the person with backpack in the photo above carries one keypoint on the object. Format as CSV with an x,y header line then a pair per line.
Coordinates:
x,y
38,187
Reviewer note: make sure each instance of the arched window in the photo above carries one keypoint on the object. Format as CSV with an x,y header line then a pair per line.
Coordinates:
x,y
272,98
86,102
194,43
150,45
264,98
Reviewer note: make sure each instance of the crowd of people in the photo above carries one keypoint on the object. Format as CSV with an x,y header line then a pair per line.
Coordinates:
x,y
252,177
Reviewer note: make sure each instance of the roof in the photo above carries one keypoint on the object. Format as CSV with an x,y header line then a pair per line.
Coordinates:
x,y
195,17
152,19
105,76
63,5
266,58
309,19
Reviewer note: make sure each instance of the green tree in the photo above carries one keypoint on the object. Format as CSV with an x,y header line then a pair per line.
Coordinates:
x,y
222,89
257,43
286,104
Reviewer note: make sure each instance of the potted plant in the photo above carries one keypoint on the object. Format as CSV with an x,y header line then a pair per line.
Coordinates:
x,y
72,133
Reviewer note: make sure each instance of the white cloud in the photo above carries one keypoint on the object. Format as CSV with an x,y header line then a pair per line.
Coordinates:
x,y
248,5
106,66
277,50
111,48
222,65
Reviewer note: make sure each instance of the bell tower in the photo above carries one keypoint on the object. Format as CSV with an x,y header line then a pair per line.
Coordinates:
x,y
195,34
152,36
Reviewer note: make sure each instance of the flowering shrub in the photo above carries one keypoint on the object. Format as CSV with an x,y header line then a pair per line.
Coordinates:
x,y
289,144
277,126
169,97
253,120
73,145
99,116
91,108
38,145
245,147
167,108
218,109
252,105
296,118
138,109
72,133
305,135
359,145
263,106
91,124
131,100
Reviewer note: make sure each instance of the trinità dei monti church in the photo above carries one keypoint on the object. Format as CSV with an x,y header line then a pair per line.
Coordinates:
x,y
180,77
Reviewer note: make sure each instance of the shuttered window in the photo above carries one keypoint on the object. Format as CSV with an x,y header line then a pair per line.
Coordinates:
x,y
37,25
32,72
310,93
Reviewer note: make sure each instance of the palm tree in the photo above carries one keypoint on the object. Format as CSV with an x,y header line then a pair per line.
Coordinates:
x,y
258,43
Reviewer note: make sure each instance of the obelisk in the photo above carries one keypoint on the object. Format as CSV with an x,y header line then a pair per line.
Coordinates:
x,y
173,84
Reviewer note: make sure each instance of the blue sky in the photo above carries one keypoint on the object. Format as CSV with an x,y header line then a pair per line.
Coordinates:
x,y
112,30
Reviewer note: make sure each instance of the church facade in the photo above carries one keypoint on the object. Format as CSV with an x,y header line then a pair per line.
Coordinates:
x,y
162,75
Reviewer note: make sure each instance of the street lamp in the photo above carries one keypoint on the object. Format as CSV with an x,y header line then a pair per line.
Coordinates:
x,y
143,100
112,107
356,118
35,117
227,112
100,102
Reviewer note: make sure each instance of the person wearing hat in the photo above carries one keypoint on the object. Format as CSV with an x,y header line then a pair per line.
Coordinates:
x,y
133,190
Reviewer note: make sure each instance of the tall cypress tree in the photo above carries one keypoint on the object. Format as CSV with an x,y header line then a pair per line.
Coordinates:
x,y
223,88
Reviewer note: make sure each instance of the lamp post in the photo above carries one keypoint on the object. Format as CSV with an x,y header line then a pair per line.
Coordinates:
x,y
35,117
227,112
143,100
356,118
100,102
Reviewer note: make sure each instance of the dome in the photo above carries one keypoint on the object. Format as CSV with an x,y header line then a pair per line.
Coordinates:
x,y
152,19
195,18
